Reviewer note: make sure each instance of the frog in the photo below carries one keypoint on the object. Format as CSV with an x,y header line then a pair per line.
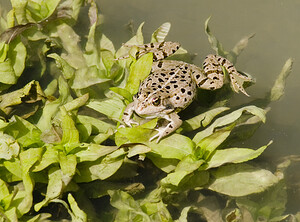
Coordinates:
x,y
172,85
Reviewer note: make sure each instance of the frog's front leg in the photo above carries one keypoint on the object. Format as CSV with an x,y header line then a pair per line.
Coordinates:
x,y
174,123
128,112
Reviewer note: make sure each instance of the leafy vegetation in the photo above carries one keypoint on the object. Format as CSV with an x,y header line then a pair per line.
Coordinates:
x,y
64,156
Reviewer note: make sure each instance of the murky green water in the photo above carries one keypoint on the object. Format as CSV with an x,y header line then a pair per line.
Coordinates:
x,y
276,25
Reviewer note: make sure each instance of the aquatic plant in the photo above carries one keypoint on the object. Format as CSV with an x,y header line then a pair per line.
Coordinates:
x,y
62,153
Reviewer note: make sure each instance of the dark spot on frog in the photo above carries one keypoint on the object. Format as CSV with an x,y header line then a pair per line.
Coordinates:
x,y
163,74
160,80
189,93
171,73
168,87
173,81
175,86
160,63
169,106
177,98
182,90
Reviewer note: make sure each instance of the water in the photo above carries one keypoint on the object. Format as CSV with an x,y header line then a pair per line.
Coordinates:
x,y
276,25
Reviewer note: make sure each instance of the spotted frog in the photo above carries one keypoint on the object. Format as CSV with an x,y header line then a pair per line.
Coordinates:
x,y
171,85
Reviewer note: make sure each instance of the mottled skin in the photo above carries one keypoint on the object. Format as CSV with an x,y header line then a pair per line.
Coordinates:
x,y
171,85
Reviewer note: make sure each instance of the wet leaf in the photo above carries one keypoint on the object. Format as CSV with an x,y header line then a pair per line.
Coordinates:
x,y
78,215
160,34
94,152
9,148
67,70
234,155
228,119
238,180
278,88
28,158
202,119
139,70
70,137
54,188
214,43
29,95
174,146
238,48
111,107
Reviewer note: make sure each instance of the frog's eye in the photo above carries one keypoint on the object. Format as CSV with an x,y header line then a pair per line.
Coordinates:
x,y
156,101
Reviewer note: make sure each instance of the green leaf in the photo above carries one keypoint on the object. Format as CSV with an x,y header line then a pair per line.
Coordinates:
x,y
73,54
9,148
229,119
88,76
102,168
22,102
214,43
122,92
24,132
67,70
213,141
202,120
238,48
186,166
174,146
129,209
111,107
77,103
49,157
277,90
238,180
70,133
137,150
98,126
139,70
52,108
78,215
160,34
28,159
234,155
94,152
54,188
138,134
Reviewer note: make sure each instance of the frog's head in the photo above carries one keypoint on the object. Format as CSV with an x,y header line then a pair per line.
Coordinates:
x,y
153,105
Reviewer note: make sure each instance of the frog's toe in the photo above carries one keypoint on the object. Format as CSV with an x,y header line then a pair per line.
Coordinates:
x,y
131,122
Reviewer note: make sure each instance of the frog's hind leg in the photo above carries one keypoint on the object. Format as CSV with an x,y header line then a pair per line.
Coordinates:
x,y
211,77
160,50
213,66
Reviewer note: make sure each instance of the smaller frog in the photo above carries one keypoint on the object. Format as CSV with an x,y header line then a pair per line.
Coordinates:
x,y
171,85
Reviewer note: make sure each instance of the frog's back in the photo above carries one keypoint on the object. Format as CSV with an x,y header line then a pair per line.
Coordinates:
x,y
170,81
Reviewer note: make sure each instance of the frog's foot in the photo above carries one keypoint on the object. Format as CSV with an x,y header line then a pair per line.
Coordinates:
x,y
174,124
128,112
213,66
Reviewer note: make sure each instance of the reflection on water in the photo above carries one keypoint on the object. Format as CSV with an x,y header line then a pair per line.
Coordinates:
x,y
276,25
